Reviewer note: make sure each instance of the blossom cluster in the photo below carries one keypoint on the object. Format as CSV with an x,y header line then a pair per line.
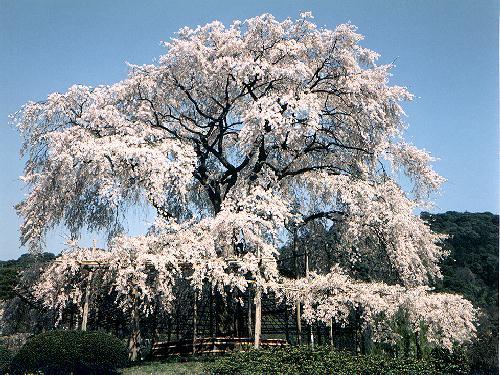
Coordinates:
x,y
444,319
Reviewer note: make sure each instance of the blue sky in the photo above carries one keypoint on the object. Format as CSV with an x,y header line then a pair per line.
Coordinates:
x,y
446,52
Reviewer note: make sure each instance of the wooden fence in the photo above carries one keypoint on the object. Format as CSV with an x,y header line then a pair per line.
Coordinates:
x,y
209,345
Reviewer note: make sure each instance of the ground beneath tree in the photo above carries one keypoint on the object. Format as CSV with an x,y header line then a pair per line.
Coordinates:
x,y
176,368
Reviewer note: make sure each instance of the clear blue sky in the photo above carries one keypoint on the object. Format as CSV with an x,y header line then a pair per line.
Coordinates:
x,y
447,54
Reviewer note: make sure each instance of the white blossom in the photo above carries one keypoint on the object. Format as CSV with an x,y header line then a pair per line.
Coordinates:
x,y
448,318
236,134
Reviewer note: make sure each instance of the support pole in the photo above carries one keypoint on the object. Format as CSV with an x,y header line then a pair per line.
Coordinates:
x,y
211,308
195,319
298,321
306,261
249,317
311,335
258,315
418,346
287,329
258,306
85,313
330,332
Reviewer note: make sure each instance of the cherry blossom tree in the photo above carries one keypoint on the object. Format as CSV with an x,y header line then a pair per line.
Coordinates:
x,y
238,137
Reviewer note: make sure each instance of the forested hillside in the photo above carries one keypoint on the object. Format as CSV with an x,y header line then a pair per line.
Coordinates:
x,y
472,266
471,269
9,272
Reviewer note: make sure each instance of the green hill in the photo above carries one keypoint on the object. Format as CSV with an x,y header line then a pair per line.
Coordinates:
x,y
471,269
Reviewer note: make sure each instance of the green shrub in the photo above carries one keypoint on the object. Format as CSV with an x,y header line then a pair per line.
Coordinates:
x,y
446,362
5,358
62,352
321,360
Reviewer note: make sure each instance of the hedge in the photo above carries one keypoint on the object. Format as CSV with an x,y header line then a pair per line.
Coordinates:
x,y
77,352
323,360
5,359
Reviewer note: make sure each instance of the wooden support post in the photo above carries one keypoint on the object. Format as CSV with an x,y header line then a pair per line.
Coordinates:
x,y
258,315
235,318
298,322
177,324
211,308
217,314
249,317
306,262
169,329
298,317
287,329
330,332
258,306
85,314
195,319
418,346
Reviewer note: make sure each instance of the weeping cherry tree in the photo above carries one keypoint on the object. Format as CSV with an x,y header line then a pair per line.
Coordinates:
x,y
236,138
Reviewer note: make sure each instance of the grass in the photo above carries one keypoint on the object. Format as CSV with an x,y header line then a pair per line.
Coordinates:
x,y
167,368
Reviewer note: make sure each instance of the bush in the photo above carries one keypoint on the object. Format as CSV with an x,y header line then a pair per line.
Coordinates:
x,y
321,360
446,362
5,358
77,352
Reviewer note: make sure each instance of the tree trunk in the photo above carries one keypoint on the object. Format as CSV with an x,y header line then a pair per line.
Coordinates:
x,y
135,337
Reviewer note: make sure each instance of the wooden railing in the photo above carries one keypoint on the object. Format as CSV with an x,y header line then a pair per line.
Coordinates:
x,y
211,345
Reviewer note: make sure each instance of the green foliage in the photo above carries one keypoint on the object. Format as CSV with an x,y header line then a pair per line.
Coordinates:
x,y
77,352
167,368
471,269
10,269
446,362
324,360
20,313
5,358
409,343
